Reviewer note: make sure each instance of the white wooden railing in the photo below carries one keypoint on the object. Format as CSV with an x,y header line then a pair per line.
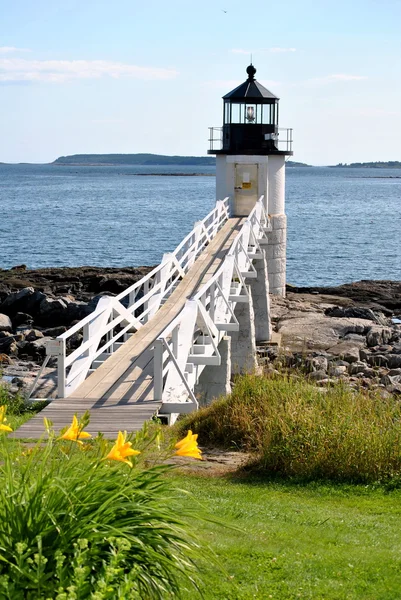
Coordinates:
x,y
190,342
116,318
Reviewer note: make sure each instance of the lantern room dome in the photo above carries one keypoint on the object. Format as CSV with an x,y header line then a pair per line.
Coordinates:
x,y
251,90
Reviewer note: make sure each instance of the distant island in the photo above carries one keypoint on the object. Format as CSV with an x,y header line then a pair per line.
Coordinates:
x,y
390,164
134,159
143,159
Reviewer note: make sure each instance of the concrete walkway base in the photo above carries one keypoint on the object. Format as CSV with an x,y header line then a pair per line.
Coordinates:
x,y
261,301
243,342
215,381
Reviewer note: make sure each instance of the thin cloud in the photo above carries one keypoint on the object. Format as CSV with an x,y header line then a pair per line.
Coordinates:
x,y
274,50
12,49
60,71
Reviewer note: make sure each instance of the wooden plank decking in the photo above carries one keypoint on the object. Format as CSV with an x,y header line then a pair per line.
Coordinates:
x,y
119,394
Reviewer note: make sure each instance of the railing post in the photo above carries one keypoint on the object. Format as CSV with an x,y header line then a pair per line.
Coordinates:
x,y
158,370
61,374
174,339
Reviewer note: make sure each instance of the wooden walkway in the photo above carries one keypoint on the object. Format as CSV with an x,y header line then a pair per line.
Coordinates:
x,y
119,394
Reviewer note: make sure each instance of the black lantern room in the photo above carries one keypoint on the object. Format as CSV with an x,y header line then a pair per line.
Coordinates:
x,y
250,122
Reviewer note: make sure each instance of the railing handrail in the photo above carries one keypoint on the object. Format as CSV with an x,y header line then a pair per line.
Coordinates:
x,y
210,302
86,320
114,311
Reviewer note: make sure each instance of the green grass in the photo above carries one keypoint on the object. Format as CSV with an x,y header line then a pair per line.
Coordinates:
x,y
330,542
300,431
18,409
77,523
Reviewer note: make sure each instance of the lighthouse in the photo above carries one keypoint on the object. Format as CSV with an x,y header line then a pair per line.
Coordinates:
x,y
250,151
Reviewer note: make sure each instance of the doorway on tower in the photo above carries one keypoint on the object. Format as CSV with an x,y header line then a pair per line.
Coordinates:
x,y
245,190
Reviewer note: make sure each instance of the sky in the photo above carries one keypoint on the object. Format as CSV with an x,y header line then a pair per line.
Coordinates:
x,y
123,76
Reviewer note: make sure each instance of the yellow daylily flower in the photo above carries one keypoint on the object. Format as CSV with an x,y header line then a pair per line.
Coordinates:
x,y
74,433
188,446
122,449
3,420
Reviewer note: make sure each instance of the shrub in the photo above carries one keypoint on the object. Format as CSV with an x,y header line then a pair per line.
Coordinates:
x,y
298,430
74,525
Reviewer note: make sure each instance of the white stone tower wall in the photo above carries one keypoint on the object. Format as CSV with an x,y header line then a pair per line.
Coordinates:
x,y
277,238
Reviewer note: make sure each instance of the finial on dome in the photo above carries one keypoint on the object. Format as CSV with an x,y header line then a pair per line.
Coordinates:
x,y
251,72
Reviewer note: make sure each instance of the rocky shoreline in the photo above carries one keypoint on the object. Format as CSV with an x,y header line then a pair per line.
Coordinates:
x,y
350,332
38,305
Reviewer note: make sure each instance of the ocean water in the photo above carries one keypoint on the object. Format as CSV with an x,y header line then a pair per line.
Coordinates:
x,y
343,224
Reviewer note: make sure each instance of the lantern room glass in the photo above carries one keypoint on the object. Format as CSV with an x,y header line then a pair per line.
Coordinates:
x,y
249,113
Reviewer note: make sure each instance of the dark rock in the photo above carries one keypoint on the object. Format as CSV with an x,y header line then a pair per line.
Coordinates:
x,y
37,348
316,363
81,282
394,361
386,380
364,354
26,300
5,323
54,331
33,334
357,367
22,319
377,360
378,335
385,293
8,345
348,351
318,375
355,312
74,340
394,372
359,340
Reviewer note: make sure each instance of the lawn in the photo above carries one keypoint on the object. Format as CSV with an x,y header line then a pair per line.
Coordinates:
x,y
300,541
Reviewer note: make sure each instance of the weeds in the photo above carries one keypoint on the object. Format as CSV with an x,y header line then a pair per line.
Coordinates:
x,y
298,430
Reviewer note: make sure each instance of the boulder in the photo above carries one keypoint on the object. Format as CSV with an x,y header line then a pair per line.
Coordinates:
x,y
377,360
36,349
388,380
5,323
318,375
32,334
316,331
394,361
364,353
8,345
348,351
316,363
54,331
338,371
355,312
22,319
378,335
26,300
357,367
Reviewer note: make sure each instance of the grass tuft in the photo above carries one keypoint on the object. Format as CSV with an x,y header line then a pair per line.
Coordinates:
x,y
300,431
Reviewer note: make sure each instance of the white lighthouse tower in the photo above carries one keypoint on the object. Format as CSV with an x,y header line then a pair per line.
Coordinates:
x,y
250,162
